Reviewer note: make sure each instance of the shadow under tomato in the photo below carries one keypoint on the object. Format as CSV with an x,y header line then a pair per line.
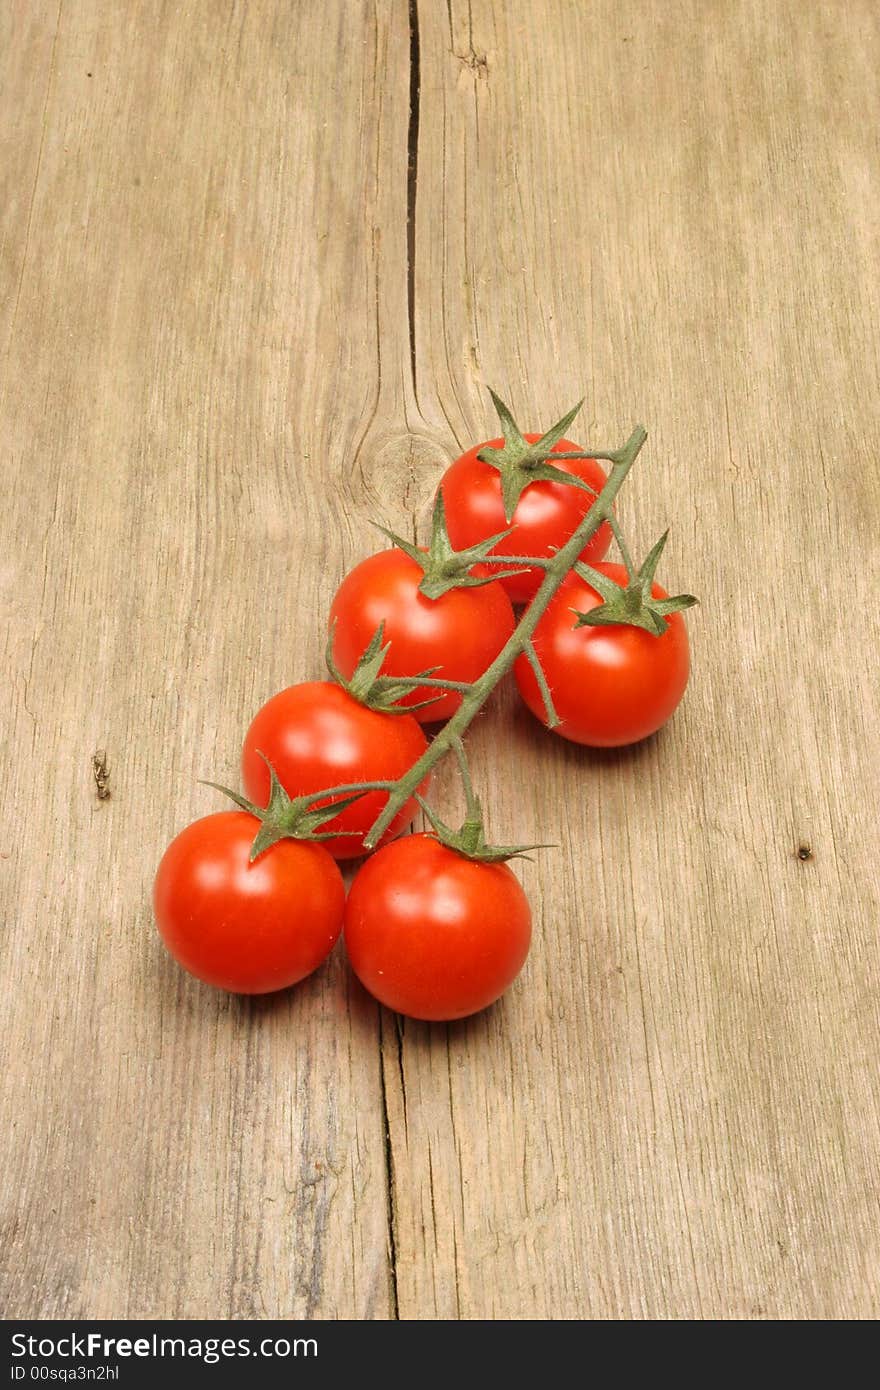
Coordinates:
x,y
424,1035
618,757
528,733
248,1008
362,1007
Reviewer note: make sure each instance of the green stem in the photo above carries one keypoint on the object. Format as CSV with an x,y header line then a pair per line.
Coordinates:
x,y
549,707
464,769
431,683
553,454
332,792
622,545
557,568
472,830
539,562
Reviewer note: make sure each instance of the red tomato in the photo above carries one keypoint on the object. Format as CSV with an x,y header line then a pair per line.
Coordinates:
x,y
462,632
316,735
610,685
248,928
546,514
432,934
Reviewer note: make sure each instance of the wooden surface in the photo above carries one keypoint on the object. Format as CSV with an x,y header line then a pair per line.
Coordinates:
x,y
223,349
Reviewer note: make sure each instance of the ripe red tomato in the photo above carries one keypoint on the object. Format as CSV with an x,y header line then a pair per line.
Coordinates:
x,y
316,735
461,632
248,928
545,516
432,934
610,685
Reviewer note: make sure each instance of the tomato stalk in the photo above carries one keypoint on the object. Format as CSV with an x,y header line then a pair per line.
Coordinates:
x,y
634,604
540,562
557,568
301,817
427,680
443,567
298,817
370,687
475,696
622,545
549,707
470,840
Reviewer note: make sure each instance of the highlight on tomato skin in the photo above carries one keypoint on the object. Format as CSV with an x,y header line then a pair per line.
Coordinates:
x,y
433,935
461,632
546,515
611,686
316,735
249,928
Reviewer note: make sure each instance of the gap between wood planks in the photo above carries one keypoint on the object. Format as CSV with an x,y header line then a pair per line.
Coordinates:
x,y
412,171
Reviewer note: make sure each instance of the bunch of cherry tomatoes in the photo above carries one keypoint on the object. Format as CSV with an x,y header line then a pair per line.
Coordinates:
x,y
436,925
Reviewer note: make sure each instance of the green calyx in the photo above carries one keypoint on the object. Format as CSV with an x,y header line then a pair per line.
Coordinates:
x,y
470,840
290,818
369,687
443,566
521,463
633,605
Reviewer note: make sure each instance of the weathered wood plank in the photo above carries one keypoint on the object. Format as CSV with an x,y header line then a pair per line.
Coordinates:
x,y
192,363
675,1113
224,351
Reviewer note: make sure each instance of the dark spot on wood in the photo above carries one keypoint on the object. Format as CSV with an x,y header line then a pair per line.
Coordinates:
x,y
101,773
804,852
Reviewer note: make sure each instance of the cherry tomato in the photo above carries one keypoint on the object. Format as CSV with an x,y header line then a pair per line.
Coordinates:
x,y
432,934
316,735
610,685
248,928
545,516
461,633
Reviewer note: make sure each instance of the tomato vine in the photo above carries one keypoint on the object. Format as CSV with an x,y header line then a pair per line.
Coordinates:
x,y
599,654
283,816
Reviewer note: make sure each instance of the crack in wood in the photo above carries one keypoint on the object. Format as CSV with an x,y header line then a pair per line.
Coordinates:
x,y
412,179
389,1171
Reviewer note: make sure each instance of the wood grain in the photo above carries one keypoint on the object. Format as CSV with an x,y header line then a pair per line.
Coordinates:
x,y
224,349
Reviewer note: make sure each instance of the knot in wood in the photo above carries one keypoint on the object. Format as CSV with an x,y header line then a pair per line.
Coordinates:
x,y
402,474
